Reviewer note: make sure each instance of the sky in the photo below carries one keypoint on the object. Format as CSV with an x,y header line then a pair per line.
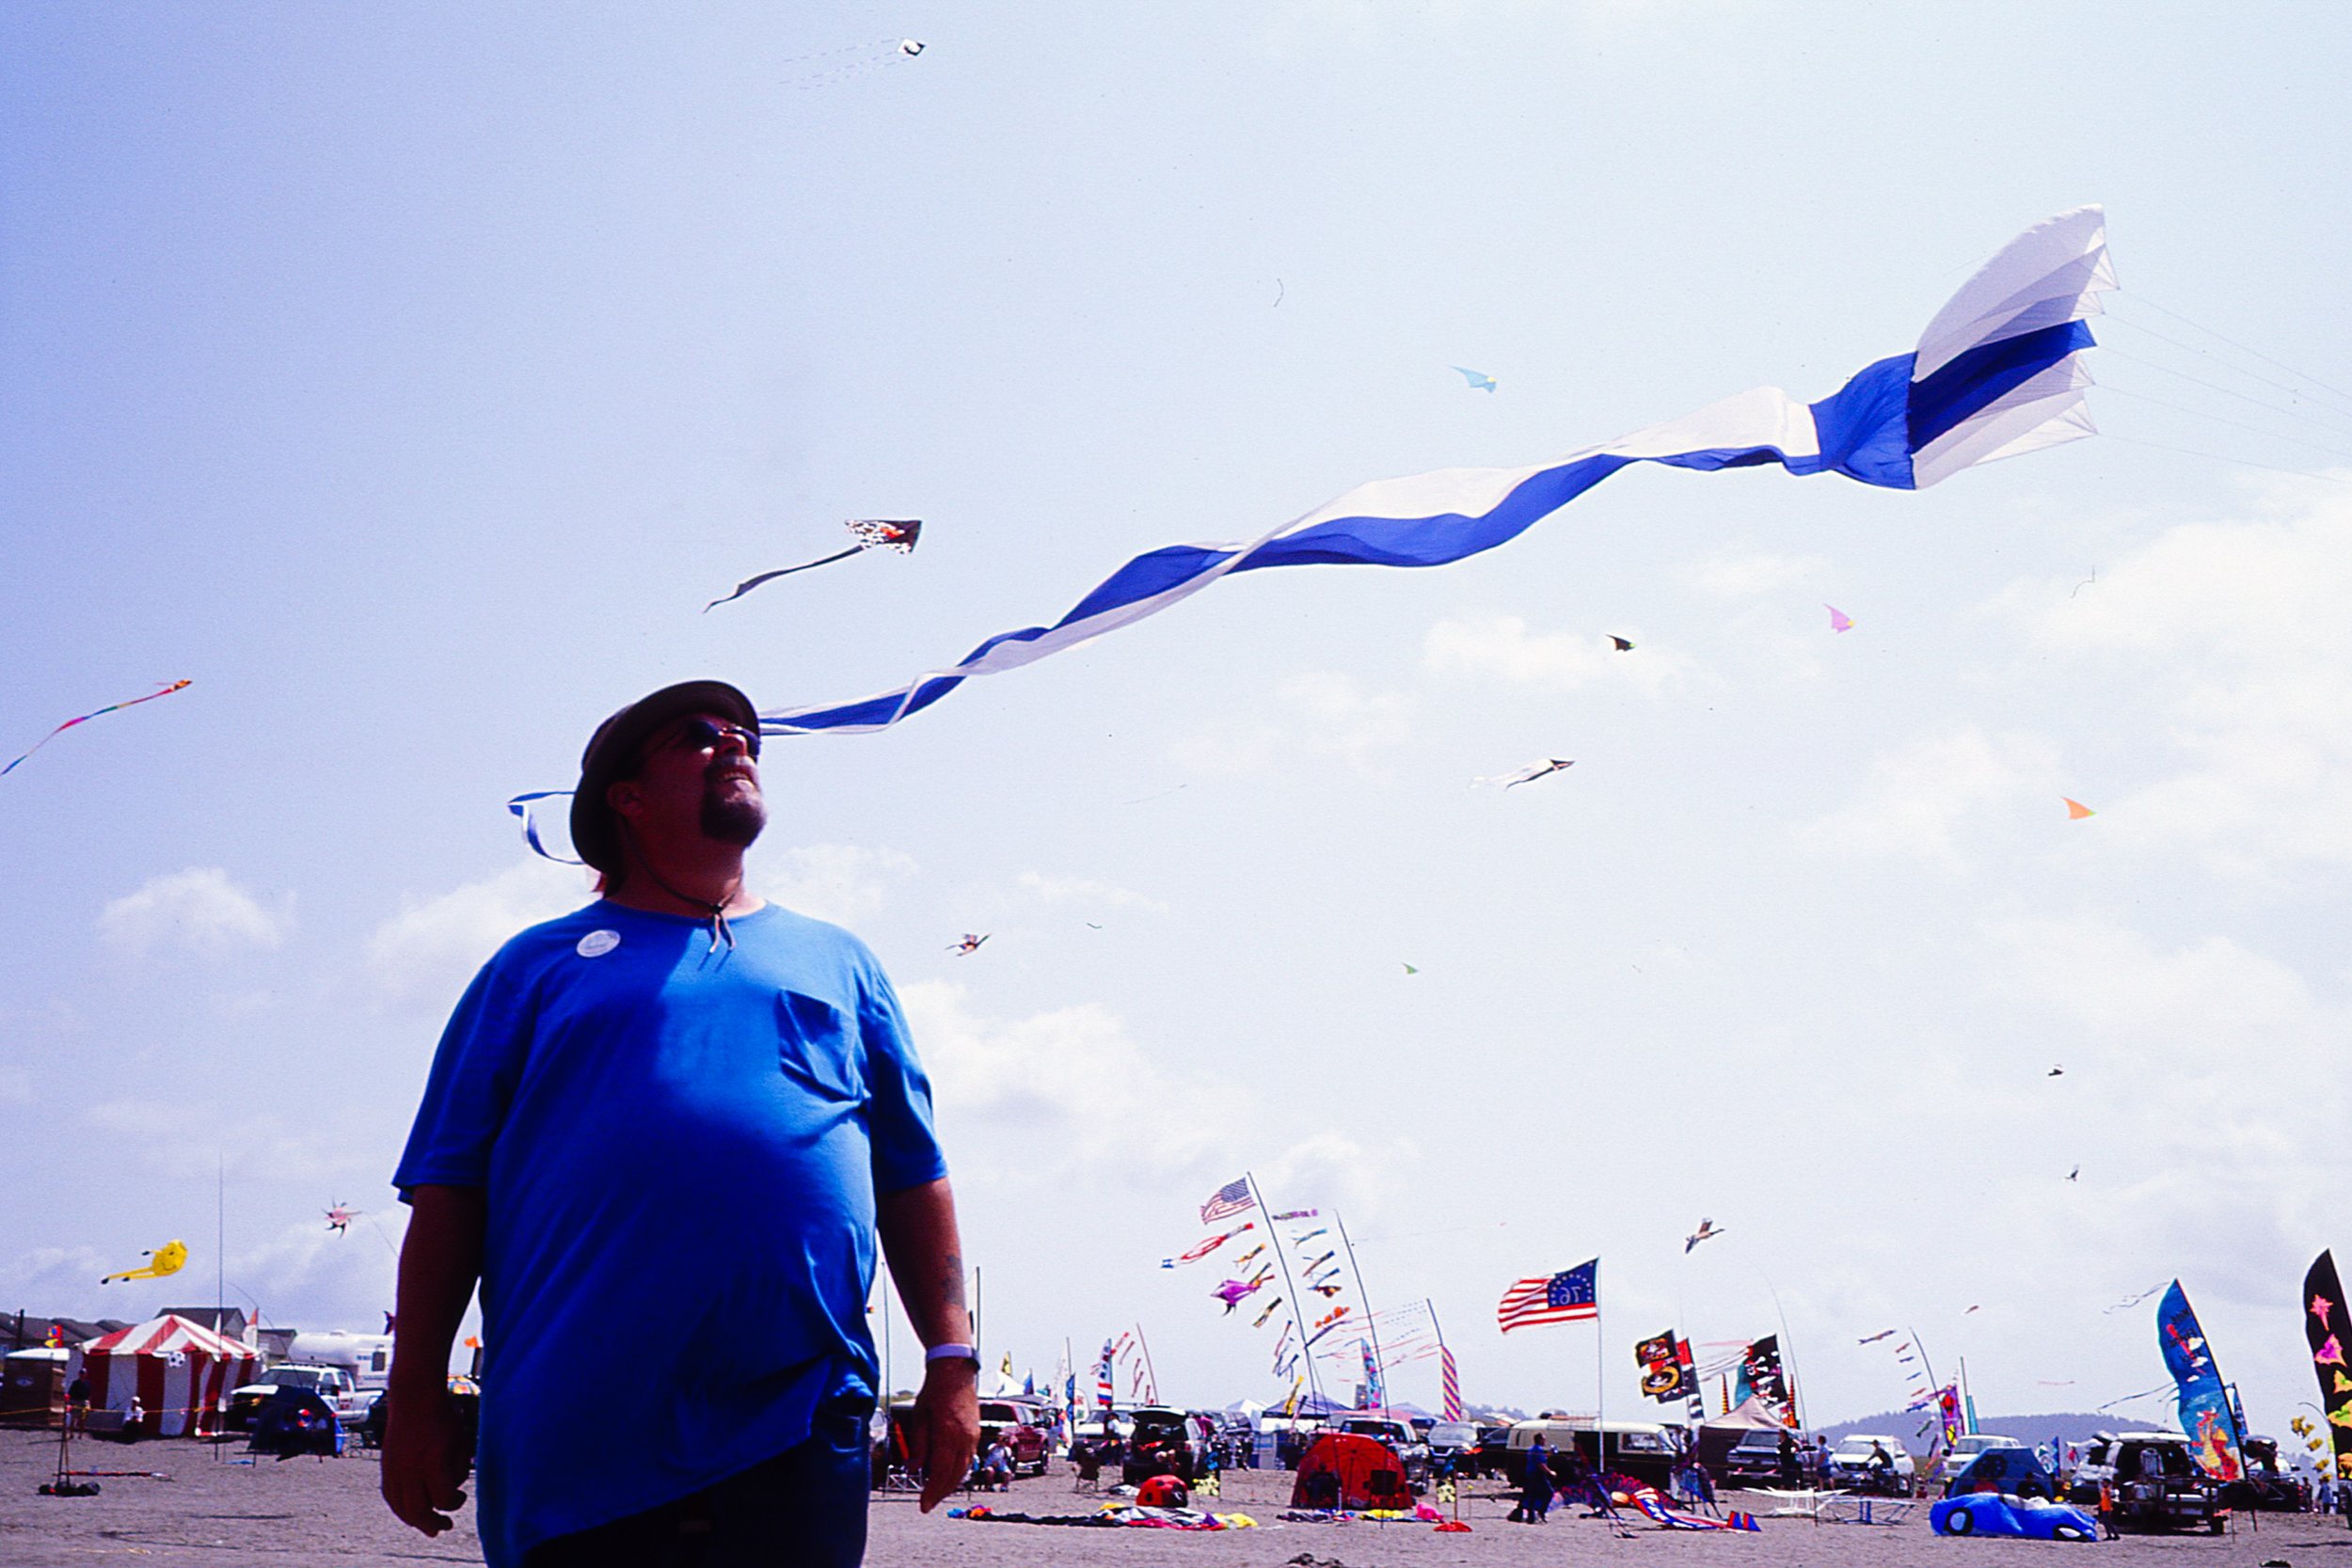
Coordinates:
x,y
408,381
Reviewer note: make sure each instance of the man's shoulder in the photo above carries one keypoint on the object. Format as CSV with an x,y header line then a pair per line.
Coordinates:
x,y
534,944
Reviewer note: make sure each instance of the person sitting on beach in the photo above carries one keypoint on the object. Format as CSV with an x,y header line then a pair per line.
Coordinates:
x,y
994,1470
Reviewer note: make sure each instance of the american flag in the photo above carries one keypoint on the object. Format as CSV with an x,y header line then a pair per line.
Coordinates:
x,y
1569,1296
1232,1198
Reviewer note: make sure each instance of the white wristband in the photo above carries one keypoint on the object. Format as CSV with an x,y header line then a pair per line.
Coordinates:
x,y
952,1352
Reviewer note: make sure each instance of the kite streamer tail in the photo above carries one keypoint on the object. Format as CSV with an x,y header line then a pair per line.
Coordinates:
x,y
1997,372
520,806
85,718
749,583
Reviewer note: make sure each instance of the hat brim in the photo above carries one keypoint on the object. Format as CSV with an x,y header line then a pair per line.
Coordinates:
x,y
595,835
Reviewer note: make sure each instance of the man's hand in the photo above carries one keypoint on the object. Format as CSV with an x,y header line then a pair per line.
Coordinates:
x,y
944,1432
425,1458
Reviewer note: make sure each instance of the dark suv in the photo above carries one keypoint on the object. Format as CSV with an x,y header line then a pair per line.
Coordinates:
x,y
2154,1481
1163,1442
1755,1460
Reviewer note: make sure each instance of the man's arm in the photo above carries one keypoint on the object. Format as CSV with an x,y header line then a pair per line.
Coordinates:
x,y
918,1235
424,1453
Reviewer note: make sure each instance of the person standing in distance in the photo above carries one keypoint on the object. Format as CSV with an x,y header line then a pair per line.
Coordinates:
x,y
662,1132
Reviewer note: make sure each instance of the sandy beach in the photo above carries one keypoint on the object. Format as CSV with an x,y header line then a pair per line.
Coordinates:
x,y
203,1506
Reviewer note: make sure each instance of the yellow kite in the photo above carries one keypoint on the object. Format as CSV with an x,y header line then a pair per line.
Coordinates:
x,y
162,1260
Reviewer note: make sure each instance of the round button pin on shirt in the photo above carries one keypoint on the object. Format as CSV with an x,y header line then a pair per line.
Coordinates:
x,y
595,944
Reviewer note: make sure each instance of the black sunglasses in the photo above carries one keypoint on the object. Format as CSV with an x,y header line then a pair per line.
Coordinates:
x,y
701,735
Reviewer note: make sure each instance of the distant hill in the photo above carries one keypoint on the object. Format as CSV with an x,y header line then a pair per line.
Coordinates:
x,y
2071,1426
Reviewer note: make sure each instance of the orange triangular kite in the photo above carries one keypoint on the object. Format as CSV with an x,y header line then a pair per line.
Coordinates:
x,y
2075,810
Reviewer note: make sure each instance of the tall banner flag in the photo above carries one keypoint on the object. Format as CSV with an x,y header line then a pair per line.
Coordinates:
x,y
1572,1295
1665,1363
1451,1396
1375,1397
2325,1324
1762,1378
2205,1404
1107,1379
1232,1198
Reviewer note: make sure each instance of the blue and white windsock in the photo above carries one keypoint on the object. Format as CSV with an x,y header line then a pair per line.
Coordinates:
x,y
1997,372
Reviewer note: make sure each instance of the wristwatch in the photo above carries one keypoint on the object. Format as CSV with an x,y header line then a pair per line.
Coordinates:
x,y
953,1353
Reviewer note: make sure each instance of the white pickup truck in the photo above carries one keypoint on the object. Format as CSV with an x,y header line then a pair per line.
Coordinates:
x,y
337,1386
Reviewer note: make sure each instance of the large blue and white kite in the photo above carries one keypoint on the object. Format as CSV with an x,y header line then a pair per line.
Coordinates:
x,y
1997,372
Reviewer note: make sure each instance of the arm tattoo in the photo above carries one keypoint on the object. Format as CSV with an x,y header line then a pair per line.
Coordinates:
x,y
951,1281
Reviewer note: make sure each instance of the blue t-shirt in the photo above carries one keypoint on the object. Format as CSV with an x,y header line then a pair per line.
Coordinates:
x,y
680,1151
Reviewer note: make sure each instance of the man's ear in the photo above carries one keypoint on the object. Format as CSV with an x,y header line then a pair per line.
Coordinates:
x,y
627,800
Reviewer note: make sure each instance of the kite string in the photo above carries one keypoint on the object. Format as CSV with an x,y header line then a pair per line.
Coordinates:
x,y
2334,421
2216,419
2222,457
2243,348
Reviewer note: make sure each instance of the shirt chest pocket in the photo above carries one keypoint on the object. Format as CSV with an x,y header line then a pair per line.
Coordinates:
x,y
817,1048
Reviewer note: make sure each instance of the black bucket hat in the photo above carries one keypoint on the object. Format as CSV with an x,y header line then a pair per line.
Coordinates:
x,y
613,749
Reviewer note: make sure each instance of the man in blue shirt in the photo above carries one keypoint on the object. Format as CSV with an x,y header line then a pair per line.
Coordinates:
x,y
662,1132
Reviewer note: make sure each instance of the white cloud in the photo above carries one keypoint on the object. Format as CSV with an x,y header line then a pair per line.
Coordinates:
x,y
1084,890
2237,631
1503,648
424,955
840,882
1918,799
192,1142
1330,716
1750,575
1069,1088
198,910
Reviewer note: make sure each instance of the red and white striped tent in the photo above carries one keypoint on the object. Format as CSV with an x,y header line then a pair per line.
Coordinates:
x,y
181,1373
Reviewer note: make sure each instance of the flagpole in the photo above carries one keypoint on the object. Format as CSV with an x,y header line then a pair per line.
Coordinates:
x,y
1443,1358
1281,1255
1370,1323
1601,1386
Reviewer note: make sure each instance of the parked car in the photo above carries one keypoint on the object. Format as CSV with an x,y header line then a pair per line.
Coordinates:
x,y
1854,1462
1964,1449
1452,1441
1165,1442
2152,1483
1020,1424
1643,1449
1489,1456
1755,1460
1401,1440
2265,1484
337,1386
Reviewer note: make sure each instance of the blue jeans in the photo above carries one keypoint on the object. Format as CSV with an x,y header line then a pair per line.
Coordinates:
x,y
803,1508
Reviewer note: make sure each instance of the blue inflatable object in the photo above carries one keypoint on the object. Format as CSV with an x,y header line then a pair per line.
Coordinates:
x,y
1999,1513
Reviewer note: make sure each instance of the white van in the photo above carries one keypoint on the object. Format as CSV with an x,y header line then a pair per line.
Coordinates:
x,y
1643,1450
